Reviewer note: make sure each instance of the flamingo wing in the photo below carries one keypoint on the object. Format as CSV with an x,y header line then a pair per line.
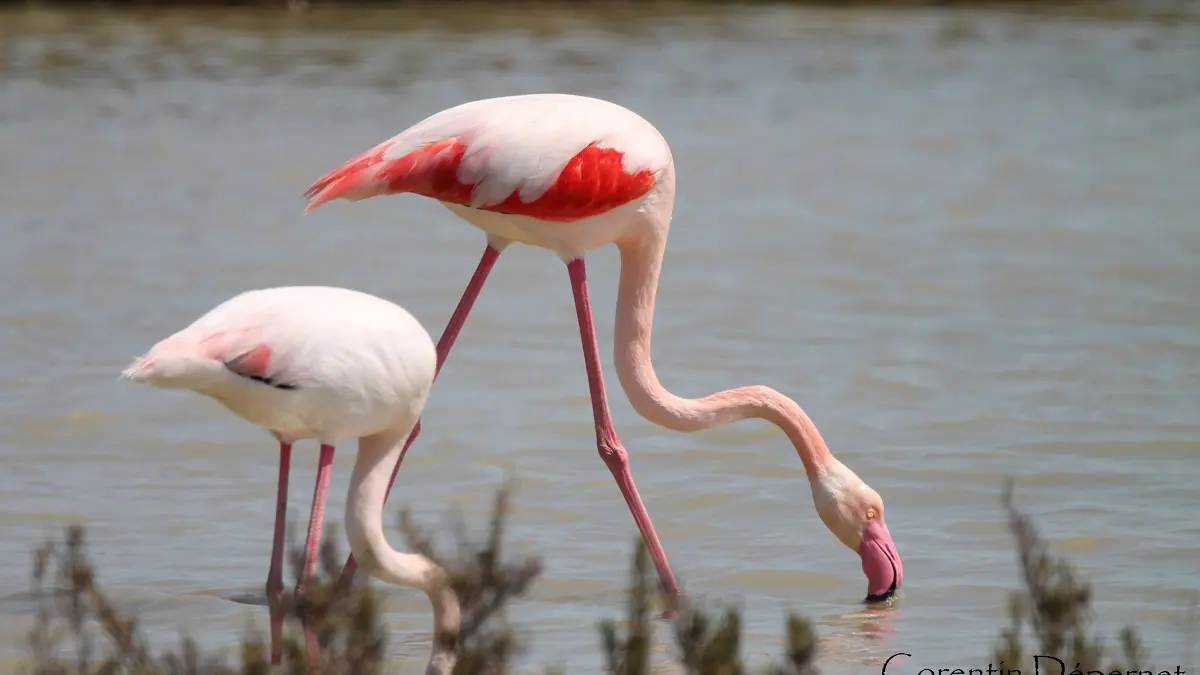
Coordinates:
x,y
553,157
193,352
256,364
182,358
257,335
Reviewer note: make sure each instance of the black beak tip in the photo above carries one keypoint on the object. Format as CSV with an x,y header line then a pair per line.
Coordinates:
x,y
884,596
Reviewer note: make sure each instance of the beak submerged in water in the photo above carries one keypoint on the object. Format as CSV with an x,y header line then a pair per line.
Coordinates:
x,y
880,562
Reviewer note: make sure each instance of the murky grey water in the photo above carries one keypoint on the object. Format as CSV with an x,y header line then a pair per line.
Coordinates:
x,y
967,246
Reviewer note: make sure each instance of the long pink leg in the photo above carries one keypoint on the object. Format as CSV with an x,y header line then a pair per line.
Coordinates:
x,y
449,335
313,543
275,575
611,451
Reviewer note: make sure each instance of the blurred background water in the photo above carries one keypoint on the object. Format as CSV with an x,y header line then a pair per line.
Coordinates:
x,y
965,242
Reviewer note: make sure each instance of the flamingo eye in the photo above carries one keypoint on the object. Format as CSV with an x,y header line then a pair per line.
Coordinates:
x,y
870,514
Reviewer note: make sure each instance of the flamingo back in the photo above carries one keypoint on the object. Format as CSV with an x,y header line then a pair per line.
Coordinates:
x,y
307,362
553,157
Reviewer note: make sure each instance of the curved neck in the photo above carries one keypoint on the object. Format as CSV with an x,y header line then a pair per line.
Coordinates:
x,y
377,456
641,263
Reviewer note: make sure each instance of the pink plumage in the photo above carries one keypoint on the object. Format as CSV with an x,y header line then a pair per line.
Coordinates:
x,y
565,173
570,174
549,157
328,364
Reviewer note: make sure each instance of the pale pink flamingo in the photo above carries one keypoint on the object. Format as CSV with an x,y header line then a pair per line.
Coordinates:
x,y
328,364
570,174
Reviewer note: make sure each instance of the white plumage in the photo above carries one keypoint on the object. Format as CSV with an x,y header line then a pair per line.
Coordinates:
x,y
328,364
516,148
520,144
353,363
566,173
570,174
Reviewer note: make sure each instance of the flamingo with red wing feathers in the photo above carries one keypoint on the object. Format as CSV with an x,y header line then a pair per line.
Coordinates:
x,y
570,174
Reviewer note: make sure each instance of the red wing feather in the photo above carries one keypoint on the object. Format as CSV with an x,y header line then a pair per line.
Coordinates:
x,y
253,363
593,182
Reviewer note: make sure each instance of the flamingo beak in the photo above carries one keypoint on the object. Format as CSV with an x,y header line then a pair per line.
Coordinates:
x,y
880,562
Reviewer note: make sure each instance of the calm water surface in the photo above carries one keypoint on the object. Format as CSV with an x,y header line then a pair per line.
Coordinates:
x,y
966,245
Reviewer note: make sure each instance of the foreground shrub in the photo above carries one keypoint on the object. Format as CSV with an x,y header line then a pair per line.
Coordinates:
x,y
1055,607
75,617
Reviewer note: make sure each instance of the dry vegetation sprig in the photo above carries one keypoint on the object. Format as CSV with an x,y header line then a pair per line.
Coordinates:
x,y
79,630
70,609
1056,607
74,612
709,643
487,643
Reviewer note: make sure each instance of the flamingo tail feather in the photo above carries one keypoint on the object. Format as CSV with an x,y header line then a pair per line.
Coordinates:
x,y
356,179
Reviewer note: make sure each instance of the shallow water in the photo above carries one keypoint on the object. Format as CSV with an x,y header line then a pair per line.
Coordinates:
x,y
966,244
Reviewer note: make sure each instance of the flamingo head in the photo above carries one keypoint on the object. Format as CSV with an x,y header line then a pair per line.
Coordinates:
x,y
853,512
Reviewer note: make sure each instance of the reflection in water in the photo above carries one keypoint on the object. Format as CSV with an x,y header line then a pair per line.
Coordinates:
x,y
861,636
964,243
